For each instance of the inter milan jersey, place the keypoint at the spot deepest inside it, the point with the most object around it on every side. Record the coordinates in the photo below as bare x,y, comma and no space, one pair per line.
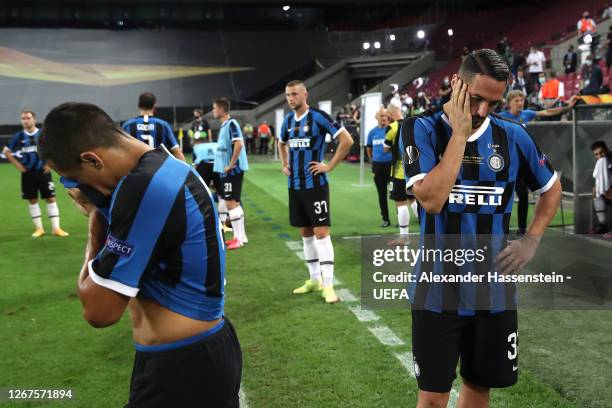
164,241
151,130
306,138
480,202
23,146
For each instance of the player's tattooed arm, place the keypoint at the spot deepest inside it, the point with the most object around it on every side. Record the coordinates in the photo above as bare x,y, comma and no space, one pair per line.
102,307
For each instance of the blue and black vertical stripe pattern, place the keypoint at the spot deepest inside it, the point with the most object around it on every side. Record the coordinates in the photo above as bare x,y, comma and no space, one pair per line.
151,130
164,240
24,148
306,140
480,202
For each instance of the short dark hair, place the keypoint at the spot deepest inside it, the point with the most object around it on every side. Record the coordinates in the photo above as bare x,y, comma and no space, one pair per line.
198,111
223,103
72,128
598,144
484,62
28,110
146,101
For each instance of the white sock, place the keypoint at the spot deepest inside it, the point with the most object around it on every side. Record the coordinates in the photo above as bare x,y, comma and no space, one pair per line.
35,214
235,216
403,219
325,250
311,258
243,237
222,209
415,208
53,214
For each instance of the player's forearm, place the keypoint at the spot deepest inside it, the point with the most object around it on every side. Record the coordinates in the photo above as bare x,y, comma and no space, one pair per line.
433,191
346,141
176,152
13,160
283,154
236,153
545,210
369,150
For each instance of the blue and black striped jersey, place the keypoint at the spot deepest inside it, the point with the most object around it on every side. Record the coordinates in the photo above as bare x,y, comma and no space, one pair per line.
480,202
151,130
306,138
164,241
24,146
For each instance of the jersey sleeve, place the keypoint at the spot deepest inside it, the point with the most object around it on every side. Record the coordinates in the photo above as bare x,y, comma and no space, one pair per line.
168,139
136,222
12,144
529,115
417,149
283,137
369,139
234,131
329,124
534,168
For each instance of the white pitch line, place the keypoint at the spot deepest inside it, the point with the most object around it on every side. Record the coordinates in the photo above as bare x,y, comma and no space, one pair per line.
337,281
364,315
299,254
406,360
345,295
386,336
242,398
295,245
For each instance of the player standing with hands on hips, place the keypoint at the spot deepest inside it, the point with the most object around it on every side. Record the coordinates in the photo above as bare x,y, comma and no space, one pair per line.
302,147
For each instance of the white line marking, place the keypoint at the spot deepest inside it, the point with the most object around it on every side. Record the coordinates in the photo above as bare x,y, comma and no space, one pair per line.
337,281
452,400
386,336
364,315
295,245
406,360
300,254
346,296
242,398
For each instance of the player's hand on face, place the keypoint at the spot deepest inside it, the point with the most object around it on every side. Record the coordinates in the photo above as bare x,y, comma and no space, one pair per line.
516,255
458,110
286,171
85,206
318,168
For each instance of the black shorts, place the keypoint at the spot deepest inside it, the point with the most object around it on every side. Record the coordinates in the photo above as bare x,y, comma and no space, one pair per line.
486,345
309,208
33,181
397,190
205,170
230,187
206,373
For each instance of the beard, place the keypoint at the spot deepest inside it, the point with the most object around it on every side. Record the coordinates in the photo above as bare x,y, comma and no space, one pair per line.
297,106
477,121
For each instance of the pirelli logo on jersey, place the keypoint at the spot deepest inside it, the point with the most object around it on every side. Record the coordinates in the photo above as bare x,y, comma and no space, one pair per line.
145,126
299,142
29,149
476,195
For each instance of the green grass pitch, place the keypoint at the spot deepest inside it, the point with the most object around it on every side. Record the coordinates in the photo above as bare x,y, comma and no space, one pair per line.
298,351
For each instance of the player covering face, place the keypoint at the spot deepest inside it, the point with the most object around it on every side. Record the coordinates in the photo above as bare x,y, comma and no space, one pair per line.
158,252
462,165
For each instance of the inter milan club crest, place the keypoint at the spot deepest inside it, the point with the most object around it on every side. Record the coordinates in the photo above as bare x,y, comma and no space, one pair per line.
496,162
306,128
